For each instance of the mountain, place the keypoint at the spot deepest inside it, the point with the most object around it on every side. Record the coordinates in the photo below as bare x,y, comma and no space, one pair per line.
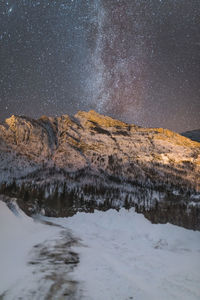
60,165
193,135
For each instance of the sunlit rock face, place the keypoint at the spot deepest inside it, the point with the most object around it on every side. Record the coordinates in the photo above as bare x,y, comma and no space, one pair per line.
97,158
90,139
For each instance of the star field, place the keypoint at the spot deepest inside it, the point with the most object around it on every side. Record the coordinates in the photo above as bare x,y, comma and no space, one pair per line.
138,61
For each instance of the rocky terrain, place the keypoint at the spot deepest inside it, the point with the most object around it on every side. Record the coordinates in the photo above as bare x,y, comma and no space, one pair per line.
60,165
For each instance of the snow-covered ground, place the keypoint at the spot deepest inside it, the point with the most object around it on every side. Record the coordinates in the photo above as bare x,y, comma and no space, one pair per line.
18,234
34,258
122,256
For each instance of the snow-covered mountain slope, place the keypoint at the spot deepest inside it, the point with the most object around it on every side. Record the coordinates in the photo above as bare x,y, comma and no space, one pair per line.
92,161
83,141
193,135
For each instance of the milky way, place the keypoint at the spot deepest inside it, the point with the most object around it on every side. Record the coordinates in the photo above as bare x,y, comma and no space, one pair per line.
138,61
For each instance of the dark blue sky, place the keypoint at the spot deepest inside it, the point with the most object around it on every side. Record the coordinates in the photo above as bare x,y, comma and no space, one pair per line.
138,61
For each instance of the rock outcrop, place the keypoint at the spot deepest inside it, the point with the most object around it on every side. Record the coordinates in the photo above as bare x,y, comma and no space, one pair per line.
88,161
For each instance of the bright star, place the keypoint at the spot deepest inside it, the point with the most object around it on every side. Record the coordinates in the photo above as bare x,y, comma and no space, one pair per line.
10,10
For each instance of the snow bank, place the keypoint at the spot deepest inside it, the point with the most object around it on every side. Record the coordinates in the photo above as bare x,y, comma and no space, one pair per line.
18,234
124,256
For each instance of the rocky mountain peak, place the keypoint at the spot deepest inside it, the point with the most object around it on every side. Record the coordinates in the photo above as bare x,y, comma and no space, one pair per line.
96,118
93,152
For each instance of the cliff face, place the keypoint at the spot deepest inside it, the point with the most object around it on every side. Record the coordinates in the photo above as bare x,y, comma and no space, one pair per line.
89,160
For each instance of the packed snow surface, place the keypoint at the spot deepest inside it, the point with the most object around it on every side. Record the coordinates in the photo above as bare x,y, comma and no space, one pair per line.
18,235
122,256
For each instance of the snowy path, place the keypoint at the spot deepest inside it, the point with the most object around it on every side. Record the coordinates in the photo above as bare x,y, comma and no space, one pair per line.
36,260
50,266
127,257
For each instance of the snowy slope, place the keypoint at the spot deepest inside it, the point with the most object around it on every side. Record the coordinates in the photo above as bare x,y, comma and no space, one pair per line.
18,234
124,256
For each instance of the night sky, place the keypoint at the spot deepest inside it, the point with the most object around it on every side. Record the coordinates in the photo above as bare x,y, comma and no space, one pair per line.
135,60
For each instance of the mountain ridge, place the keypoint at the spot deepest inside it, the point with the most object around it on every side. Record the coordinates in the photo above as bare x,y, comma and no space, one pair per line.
97,161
